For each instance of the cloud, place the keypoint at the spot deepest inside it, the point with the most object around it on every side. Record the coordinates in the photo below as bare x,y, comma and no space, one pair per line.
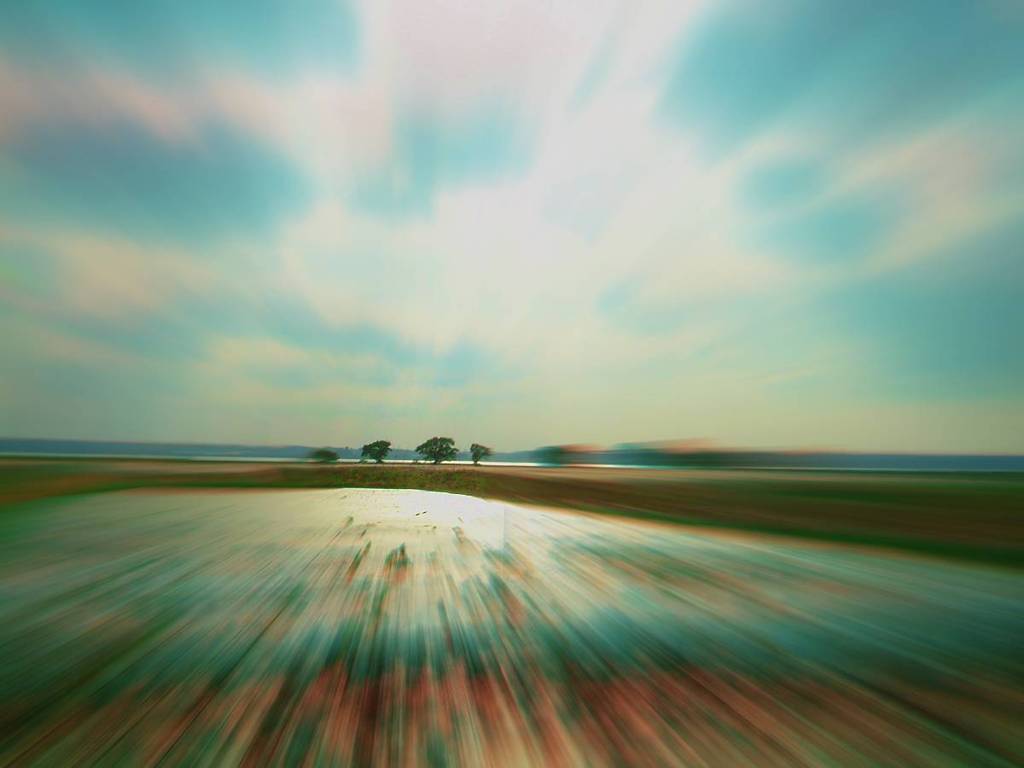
538,222
163,37
859,72
123,179
782,183
89,96
841,229
428,154
947,329
81,274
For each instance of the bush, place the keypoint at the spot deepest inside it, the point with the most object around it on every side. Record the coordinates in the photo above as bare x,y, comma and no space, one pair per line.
324,454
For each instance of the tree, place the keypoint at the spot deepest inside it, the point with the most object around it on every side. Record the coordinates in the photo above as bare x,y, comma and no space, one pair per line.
324,454
438,449
479,452
377,450
553,454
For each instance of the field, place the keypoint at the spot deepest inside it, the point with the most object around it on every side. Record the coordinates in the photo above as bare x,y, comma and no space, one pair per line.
953,515
183,614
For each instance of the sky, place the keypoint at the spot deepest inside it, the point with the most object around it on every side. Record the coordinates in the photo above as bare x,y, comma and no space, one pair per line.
770,223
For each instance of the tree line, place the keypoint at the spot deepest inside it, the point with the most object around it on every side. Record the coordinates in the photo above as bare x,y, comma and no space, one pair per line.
436,450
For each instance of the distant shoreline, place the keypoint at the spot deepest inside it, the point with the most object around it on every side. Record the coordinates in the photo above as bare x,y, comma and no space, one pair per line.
1008,463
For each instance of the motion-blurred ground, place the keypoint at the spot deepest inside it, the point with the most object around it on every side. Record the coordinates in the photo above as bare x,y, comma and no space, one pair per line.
956,514
336,626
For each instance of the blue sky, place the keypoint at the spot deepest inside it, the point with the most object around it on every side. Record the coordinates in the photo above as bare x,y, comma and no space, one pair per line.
784,223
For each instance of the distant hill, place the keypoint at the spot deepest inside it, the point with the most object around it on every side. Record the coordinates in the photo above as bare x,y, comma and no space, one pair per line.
702,454
162,450
662,454
29,446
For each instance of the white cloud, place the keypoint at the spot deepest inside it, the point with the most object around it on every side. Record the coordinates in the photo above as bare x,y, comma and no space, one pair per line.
111,276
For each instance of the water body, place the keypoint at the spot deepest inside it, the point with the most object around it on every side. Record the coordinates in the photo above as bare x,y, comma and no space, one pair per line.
381,627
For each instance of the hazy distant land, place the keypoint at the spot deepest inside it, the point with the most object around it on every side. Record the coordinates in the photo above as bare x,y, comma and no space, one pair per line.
628,454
